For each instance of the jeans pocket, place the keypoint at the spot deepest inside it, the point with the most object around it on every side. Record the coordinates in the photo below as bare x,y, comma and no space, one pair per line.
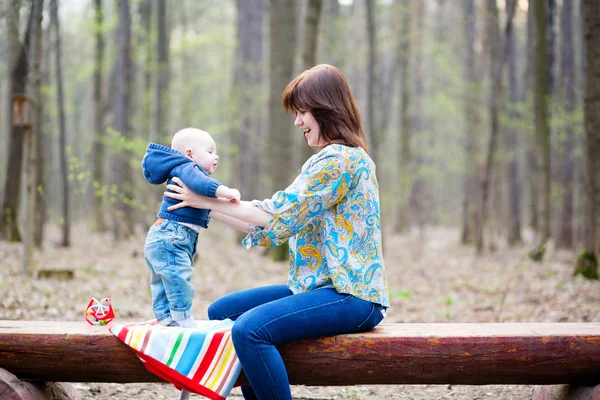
374,318
156,256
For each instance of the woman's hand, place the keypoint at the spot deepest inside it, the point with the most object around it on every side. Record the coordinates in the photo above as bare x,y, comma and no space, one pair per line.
187,197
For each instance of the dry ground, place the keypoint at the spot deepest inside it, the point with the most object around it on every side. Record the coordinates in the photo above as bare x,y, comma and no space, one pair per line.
431,277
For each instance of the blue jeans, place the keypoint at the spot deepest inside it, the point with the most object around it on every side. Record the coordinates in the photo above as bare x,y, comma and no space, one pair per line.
169,254
268,316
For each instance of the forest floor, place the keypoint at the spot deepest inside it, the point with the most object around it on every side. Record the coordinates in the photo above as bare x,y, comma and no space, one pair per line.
431,279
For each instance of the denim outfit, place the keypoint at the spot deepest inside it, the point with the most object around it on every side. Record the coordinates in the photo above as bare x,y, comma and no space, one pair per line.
169,253
170,244
337,282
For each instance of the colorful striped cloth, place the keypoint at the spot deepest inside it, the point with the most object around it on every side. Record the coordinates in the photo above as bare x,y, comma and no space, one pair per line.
200,360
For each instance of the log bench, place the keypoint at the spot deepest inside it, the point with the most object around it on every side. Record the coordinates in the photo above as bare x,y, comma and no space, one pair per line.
442,353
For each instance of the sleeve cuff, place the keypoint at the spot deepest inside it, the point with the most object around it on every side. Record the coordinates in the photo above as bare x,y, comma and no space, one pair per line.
212,189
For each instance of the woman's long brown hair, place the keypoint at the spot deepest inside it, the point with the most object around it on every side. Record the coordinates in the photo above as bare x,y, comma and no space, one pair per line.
324,92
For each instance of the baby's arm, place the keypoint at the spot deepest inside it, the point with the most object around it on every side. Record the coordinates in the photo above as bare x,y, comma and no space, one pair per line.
228,193
231,222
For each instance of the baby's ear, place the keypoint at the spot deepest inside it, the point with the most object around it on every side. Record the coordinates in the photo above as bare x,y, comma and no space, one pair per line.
188,153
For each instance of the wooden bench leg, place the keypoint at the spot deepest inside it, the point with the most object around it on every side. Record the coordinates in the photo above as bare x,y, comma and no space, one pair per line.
566,392
12,388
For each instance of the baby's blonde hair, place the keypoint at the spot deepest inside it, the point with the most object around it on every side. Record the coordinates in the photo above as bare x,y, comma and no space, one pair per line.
188,137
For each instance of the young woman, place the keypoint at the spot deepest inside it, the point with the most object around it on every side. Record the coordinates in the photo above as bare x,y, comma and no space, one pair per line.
330,215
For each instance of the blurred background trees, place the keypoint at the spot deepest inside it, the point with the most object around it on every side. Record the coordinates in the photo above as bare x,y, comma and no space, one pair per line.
480,114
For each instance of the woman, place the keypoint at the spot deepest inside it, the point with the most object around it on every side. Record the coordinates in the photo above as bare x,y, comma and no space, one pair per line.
330,215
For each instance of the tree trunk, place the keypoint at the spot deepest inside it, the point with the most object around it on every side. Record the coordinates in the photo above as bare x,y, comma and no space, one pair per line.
405,166
250,97
372,81
497,59
542,131
309,50
121,176
565,237
62,135
44,145
281,67
98,154
31,147
587,264
18,67
161,95
331,46
514,185
471,108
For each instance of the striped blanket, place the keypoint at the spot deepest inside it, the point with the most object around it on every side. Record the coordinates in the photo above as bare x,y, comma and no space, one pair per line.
200,360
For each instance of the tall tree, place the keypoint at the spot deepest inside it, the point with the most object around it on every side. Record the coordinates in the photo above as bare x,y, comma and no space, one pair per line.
161,95
18,68
372,80
542,130
498,49
121,175
403,10
587,263
31,146
469,201
44,145
282,19
514,185
567,68
62,134
98,153
309,47
250,100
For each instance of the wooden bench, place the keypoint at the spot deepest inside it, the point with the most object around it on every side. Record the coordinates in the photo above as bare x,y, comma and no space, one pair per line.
461,354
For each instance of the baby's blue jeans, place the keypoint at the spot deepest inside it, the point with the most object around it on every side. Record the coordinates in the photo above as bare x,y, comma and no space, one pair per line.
169,254
269,316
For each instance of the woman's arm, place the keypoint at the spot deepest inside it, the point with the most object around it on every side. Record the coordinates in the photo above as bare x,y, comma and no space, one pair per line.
230,221
244,210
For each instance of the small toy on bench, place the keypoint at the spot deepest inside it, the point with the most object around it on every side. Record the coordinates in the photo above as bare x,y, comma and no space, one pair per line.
99,312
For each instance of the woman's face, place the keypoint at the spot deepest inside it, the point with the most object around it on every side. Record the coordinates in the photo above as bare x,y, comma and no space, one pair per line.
310,128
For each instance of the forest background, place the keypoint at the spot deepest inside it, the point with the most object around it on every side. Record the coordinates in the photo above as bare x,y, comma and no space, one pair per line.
483,117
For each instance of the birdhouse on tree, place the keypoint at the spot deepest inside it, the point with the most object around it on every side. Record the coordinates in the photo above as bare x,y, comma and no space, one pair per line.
22,111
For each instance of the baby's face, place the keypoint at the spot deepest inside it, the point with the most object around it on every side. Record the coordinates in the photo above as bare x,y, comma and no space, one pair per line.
204,152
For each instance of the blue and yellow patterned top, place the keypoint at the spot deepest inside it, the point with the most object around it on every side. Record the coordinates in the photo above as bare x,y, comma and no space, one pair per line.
331,216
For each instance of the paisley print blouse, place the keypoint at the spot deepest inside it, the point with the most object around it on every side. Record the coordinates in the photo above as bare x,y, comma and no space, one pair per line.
331,216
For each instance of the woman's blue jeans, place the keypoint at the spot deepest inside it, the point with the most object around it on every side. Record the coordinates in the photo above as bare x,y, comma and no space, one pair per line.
269,316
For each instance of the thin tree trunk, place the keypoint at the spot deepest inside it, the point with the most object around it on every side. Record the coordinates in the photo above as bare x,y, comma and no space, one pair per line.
405,168
18,67
309,49
372,81
62,135
281,67
587,264
469,202
121,188
514,186
31,147
497,59
531,157
542,130
565,236
161,95
417,191
44,145
98,154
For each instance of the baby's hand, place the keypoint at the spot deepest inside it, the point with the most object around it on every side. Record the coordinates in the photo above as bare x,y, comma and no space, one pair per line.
233,195
228,193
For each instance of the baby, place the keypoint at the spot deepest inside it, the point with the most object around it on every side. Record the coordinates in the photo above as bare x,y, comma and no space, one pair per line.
171,242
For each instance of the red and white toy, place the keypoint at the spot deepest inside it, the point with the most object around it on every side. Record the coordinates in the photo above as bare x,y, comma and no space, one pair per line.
99,312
